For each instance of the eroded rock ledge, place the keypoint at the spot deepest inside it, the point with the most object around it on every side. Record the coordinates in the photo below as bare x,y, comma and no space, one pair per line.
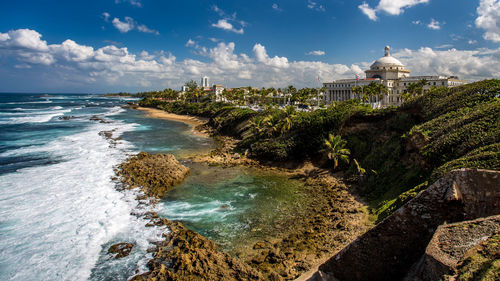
185,255
154,173
388,251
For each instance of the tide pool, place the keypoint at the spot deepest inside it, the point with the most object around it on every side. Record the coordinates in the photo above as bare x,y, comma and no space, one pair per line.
60,208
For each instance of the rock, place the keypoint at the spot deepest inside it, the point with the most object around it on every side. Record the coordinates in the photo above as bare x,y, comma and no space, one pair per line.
259,245
121,249
154,173
97,118
67,117
450,244
398,242
187,256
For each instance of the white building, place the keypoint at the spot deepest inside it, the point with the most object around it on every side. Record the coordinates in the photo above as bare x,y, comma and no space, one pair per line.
217,90
204,82
391,73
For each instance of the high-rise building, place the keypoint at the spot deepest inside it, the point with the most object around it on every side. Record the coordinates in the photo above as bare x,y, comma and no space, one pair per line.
204,82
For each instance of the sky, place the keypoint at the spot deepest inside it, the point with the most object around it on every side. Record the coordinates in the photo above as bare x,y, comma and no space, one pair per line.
98,46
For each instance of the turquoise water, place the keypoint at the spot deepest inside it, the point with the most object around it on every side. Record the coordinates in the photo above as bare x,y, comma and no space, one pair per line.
233,206
59,206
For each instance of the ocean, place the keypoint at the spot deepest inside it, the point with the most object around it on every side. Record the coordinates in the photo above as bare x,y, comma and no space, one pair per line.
61,207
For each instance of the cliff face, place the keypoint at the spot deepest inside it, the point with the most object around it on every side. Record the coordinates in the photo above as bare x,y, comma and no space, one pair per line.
398,242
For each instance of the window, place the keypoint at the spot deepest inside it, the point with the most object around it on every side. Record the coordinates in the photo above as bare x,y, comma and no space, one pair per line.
434,83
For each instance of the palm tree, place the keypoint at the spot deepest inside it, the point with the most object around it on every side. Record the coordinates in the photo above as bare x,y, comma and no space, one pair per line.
289,115
272,124
335,147
258,126
357,90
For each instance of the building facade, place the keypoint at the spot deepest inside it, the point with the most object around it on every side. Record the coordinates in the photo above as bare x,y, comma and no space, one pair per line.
204,82
391,73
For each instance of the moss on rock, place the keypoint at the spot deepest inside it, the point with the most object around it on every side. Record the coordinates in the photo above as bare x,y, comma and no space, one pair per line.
154,173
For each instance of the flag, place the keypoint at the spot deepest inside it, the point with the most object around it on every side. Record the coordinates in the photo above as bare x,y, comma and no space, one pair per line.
357,77
319,81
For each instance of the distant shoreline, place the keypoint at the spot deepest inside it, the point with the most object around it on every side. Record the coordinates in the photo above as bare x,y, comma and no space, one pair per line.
192,121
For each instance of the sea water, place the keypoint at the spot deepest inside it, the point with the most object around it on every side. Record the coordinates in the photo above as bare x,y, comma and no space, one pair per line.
60,209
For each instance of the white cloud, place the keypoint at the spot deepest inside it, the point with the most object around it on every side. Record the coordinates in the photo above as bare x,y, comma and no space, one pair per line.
224,24
68,64
444,46
391,7
106,16
369,12
276,7
145,29
262,57
129,24
416,22
315,6
470,65
489,19
124,26
472,42
434,24
190,43
228,22
23,39
316,53
137,3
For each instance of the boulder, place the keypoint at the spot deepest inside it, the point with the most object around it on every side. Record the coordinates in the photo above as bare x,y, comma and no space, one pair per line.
121,249
154,173
450,244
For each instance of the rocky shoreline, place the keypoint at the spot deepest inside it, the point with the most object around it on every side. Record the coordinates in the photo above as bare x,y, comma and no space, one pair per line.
298,245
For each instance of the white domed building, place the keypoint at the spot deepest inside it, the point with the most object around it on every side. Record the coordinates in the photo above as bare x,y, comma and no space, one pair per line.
389,72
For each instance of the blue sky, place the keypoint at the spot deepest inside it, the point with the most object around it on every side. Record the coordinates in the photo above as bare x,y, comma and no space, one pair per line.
137,45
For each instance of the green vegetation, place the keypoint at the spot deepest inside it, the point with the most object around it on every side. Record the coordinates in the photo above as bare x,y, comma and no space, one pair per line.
398,151
336,151
483,263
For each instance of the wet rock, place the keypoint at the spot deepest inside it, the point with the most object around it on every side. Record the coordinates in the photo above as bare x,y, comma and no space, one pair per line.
67,117
97,118
155,174
187,255
121,249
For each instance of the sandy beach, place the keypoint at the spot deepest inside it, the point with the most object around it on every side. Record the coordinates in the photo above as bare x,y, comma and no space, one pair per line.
190,120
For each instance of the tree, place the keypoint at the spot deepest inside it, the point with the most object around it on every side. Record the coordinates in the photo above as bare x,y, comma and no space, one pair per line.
191,85
357,90
288,116
272,124
258,126
335,147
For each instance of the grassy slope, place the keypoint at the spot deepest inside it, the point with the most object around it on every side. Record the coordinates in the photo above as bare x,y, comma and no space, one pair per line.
402,149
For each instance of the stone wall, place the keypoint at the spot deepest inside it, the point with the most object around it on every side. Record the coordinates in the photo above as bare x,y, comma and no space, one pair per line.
388,251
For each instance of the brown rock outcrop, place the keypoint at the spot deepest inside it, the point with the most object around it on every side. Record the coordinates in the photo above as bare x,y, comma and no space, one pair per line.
154,173
387,251
185,255
121,249
450,243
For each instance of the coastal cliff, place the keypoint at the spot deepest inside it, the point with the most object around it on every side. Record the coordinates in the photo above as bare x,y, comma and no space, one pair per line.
399,152
397,243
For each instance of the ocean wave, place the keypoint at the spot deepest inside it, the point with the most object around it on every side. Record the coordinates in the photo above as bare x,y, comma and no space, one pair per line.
36,117
59,219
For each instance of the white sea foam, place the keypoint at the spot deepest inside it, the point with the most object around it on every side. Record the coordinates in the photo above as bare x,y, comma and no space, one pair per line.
55,219
41,117
29,102
184,211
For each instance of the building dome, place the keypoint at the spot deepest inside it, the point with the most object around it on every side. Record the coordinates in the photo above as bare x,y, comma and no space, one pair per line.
386,60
